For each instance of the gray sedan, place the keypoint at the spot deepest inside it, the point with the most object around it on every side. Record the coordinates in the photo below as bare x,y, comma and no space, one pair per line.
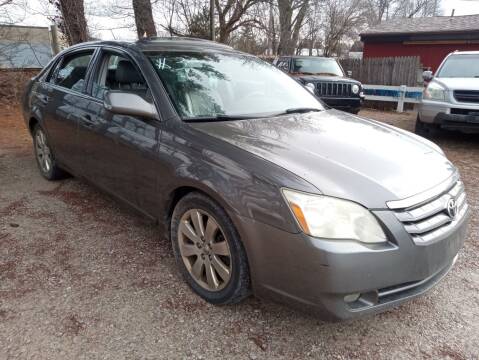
260,187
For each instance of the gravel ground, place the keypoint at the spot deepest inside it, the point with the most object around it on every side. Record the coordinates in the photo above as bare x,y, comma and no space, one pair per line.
81,277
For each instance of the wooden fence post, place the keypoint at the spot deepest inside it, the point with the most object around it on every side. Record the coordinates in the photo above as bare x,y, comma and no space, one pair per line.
402,95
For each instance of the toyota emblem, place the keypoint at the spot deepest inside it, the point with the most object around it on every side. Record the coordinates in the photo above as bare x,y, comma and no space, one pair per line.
452,208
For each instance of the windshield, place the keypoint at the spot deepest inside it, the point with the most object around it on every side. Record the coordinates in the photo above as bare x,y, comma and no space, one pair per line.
460,66
205,85
317,66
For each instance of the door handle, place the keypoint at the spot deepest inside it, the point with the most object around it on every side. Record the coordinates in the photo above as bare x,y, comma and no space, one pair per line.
87,120
44,99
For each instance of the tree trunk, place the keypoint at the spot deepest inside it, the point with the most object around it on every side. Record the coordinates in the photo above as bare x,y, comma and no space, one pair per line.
285,24
299,24
74,23
289,33
212,20
145,25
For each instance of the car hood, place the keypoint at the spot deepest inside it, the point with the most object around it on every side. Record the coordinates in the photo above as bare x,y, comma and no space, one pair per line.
459,83
340,154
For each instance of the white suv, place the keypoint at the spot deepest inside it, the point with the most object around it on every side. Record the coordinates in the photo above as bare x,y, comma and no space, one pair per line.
451,98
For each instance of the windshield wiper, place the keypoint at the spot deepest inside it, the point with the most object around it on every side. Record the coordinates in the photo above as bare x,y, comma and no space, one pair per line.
299,110
218,117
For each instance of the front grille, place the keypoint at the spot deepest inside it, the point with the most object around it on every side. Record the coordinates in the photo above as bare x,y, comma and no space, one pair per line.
333,89
429,220
467,96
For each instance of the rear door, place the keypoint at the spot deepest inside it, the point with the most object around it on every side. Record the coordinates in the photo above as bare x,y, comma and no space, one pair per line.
68,103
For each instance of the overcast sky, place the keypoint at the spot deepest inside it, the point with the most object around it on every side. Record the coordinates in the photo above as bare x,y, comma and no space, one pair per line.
107,28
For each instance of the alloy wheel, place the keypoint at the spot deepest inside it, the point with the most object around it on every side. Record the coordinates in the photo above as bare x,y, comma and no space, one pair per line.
44,155
204,250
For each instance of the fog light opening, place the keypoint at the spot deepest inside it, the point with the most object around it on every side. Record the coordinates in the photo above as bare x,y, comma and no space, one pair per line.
352,297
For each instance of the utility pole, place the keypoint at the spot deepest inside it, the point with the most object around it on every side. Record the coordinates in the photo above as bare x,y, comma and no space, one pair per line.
212,20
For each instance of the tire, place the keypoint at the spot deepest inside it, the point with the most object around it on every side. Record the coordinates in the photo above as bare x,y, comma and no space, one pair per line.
425,129
44,156
196,254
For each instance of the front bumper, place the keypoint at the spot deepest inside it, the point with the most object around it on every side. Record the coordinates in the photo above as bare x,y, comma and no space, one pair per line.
343,103
317,274
459,117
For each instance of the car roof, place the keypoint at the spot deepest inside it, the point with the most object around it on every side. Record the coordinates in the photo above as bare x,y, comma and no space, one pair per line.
164,43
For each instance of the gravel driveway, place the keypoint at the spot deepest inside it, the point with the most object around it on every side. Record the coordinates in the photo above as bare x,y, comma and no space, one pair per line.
81,277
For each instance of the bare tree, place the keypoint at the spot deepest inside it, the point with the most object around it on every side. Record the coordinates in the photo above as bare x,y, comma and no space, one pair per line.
145,25
192,17
186,18
378,10
342,18
417,8
232,14
247,40
292,14
72,21
311,33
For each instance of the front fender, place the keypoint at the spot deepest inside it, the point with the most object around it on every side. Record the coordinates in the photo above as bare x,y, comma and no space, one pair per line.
242,183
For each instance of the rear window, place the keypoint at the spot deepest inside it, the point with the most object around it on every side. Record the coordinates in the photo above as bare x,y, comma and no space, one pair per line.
72,71
460,66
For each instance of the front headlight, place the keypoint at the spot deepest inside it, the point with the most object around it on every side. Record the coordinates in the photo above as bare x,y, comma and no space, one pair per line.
310,86
331,218
355,88
435,91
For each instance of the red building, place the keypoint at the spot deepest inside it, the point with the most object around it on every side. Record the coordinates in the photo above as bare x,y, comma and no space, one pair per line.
430,38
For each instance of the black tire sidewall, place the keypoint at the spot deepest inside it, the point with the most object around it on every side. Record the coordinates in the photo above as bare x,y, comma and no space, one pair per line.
427,129
238,286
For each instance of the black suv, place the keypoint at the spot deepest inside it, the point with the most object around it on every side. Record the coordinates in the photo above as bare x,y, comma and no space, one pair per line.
326,78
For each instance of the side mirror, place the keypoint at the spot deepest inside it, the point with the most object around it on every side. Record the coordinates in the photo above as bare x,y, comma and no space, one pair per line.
350,73
310,87
427,76
125,103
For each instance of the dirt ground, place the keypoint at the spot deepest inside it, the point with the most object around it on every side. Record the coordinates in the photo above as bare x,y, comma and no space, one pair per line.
81,277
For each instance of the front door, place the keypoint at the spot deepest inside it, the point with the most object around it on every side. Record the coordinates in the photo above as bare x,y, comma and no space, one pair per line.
115,144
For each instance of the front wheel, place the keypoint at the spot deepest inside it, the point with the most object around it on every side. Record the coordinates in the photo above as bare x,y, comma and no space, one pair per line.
425,129
208,250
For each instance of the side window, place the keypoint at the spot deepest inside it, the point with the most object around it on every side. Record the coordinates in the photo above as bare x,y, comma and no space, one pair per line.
118,73
283,64
72,71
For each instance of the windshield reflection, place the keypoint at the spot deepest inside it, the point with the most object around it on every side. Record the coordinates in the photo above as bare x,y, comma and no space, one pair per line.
213,85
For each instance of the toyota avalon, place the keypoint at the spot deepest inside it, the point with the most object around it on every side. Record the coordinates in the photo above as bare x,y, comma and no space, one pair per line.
261,188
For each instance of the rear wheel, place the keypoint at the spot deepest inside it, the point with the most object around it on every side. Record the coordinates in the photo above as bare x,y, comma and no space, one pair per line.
208,250
44,156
